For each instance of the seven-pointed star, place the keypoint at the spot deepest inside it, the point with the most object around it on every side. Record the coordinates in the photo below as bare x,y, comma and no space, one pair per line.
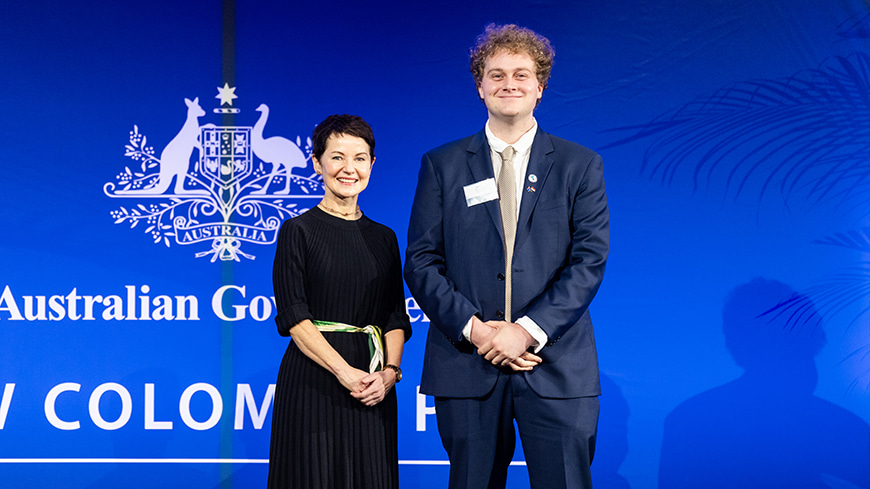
226,94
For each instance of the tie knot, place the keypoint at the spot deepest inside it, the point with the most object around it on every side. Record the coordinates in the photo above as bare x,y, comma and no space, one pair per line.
508,154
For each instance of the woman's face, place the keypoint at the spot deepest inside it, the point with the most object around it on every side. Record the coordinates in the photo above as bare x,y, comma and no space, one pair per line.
345,165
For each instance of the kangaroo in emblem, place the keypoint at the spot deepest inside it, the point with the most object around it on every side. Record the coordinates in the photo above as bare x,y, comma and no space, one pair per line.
175,158
280,152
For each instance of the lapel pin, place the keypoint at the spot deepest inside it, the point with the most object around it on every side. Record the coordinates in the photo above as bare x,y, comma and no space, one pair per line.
533,178
530,189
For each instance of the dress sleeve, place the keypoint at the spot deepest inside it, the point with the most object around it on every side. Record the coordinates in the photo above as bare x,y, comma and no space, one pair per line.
399,315
288,278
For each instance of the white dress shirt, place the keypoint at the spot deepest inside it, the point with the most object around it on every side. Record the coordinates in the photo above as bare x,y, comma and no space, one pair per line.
523,148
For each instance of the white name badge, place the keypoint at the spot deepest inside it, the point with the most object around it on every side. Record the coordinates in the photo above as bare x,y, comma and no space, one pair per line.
480,192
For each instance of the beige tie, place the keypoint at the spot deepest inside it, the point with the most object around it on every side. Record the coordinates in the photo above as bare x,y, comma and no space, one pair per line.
507,197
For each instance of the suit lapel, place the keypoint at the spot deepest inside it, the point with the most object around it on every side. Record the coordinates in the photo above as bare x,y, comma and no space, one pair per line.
540,162
480,166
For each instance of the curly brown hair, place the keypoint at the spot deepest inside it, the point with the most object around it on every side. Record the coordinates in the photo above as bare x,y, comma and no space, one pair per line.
515,40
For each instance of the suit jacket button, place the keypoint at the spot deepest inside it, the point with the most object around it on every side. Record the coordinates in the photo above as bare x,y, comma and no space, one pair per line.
499,314
500,276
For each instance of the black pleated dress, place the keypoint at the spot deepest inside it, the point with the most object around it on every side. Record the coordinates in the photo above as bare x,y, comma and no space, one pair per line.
331,269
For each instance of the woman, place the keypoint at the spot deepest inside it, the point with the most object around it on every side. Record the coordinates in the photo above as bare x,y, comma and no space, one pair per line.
337,279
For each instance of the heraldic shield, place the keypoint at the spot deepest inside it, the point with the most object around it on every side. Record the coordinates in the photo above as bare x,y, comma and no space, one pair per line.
226,154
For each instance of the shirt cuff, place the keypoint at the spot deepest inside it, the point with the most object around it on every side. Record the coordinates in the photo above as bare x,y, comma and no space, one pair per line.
466,331
538,334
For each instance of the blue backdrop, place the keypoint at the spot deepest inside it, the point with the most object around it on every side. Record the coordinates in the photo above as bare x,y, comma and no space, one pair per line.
137,346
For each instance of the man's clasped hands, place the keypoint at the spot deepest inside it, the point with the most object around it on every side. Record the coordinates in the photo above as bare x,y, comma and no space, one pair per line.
504,344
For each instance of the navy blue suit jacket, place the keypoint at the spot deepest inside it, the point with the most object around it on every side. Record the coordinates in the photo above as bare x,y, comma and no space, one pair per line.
455,261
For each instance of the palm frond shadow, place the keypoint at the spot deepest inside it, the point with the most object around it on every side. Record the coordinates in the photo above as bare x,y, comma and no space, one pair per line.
826,299
858,239
807,138
857,26
807,135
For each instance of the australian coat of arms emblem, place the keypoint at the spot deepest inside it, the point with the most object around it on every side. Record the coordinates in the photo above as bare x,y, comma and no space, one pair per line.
218,186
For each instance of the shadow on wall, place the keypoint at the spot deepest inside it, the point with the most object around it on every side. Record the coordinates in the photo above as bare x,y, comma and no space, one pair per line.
766,428
612,441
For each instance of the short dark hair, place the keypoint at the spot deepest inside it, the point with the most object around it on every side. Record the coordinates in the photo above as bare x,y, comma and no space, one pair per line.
337,124
515,40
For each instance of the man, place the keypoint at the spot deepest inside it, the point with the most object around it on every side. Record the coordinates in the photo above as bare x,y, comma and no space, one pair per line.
507,243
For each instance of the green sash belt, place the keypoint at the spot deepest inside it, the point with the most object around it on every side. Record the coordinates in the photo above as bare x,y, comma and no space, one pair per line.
376,342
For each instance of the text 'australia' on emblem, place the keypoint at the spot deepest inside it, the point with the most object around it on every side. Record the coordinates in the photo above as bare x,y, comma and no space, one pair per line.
238,189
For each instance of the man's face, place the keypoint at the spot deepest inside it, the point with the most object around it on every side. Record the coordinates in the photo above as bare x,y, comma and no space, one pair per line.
510,88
